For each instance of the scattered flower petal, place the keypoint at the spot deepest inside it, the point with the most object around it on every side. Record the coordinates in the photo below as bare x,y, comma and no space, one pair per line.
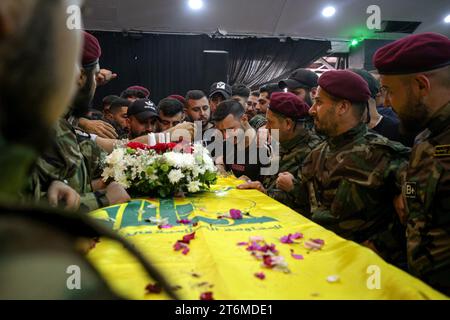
296,256
242,243
187,238
260,275
286,239
297,235
184,221
165,226
206,296
291,237
179,246
235,214
153,288
314,244
184,243
158,222
333,279
268,254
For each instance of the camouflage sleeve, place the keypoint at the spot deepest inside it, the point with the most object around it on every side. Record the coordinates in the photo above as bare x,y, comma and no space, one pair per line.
280,196
427,193
92,153
297,198
74,121
91,201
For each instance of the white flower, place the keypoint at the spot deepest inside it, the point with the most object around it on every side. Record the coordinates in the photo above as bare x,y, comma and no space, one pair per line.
115,157
175,176
194,186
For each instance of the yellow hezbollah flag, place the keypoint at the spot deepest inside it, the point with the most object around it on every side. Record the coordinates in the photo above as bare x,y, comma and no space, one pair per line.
217,259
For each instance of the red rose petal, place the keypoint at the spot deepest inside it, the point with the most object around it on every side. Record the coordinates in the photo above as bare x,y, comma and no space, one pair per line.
260,275
206,296
153,288
187,238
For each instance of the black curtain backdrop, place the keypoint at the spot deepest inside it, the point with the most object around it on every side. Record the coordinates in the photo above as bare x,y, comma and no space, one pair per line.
173,64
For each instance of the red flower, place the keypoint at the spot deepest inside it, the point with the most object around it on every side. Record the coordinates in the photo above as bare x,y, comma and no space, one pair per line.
206,296
153,288
163,147
138,145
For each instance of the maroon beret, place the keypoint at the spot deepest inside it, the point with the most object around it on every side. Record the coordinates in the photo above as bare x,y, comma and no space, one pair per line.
412,54
91,50
288,105
346,85
140,88
179,98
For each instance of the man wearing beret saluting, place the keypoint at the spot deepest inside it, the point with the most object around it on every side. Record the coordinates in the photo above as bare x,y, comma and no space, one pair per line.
415,72
347,183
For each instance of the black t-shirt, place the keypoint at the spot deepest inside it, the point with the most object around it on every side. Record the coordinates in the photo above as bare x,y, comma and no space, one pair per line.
249,163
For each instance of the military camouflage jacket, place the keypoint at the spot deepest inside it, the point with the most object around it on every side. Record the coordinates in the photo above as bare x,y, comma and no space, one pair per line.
72,158
291,156
347,185
426,191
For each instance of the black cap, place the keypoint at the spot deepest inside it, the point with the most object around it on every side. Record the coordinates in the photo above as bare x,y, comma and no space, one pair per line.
222,88
374,85
300,78
142,109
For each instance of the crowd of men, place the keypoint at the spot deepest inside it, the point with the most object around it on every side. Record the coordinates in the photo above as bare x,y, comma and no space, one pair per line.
364,154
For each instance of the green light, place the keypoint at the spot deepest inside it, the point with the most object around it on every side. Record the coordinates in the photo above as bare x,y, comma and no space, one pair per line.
354,42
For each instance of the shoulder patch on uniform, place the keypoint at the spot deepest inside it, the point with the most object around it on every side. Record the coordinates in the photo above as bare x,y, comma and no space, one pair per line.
442,151
410,190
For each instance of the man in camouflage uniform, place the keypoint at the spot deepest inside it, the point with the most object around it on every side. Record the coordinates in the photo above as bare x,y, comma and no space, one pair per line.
38,245
73,157
286,114
415,71
348,182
